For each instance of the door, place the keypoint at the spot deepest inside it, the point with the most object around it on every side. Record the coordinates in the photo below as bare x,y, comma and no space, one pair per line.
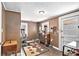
70,30
25,27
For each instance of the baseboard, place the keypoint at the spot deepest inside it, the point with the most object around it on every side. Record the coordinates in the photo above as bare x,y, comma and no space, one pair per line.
56,48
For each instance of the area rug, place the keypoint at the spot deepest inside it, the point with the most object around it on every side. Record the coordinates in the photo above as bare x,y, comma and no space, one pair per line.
35,49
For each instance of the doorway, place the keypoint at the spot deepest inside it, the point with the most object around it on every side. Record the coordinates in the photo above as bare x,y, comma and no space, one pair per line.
70,30
70,27
24,33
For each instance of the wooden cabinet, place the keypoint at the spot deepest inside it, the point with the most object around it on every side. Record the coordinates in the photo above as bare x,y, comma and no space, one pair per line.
45,39
42,39
9,47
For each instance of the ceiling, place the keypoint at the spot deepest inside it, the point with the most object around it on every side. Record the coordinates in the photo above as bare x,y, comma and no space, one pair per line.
30,10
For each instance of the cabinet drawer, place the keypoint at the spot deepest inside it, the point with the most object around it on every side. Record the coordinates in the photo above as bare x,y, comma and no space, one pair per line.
6,48
14,47
9,48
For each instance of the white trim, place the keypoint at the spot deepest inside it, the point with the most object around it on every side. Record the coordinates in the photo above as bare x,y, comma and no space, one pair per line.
70,15
61,19
56,48
4,5
0,25
0,21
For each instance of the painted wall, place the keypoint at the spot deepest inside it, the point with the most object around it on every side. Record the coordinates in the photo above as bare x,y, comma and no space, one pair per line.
0,20
3,24
32,30
54,36
0,25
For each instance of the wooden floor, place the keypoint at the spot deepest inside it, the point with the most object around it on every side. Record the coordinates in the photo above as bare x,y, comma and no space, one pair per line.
52,52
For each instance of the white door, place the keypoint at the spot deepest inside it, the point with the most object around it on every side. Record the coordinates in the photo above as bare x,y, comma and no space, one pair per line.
71,30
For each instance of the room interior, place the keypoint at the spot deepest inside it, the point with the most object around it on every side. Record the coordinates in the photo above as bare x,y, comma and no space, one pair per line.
39,29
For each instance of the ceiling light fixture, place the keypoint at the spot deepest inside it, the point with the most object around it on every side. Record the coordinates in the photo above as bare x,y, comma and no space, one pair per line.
41,12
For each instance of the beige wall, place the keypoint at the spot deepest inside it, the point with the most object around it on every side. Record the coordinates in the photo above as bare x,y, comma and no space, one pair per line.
3,24
54,37
32,30
13,21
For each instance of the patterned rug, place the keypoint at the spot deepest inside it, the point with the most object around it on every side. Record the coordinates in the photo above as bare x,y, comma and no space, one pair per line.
35,49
